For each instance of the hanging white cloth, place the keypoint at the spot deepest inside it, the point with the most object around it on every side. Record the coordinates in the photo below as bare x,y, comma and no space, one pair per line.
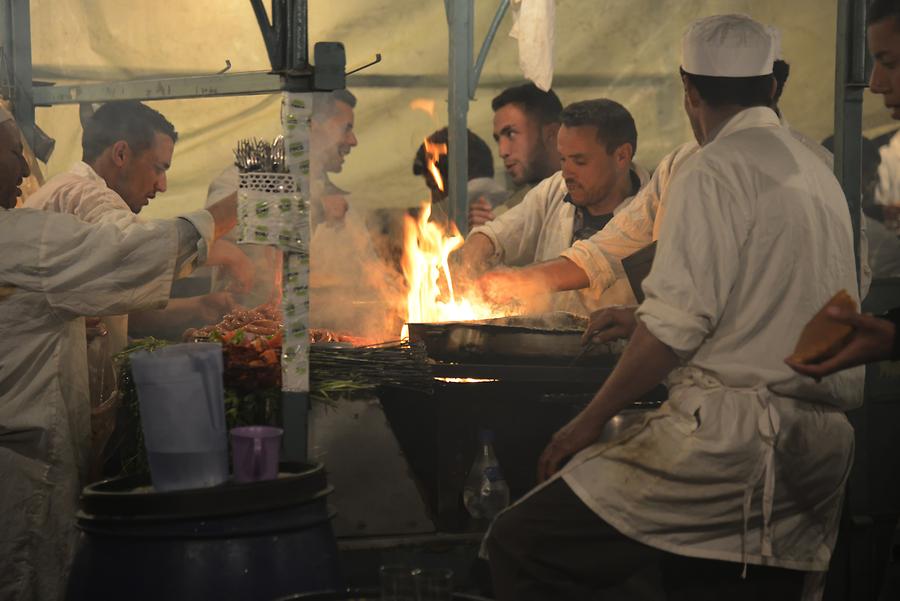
534,27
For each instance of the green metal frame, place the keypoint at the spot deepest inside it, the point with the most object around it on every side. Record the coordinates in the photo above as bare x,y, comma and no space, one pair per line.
850,80
463,80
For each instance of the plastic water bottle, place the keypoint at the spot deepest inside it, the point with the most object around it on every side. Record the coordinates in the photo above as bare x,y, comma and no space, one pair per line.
485,493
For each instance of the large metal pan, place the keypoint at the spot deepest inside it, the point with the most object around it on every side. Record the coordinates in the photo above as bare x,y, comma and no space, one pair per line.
545,339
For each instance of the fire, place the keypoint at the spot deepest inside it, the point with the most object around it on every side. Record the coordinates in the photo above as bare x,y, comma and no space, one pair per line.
431,296
426,105
433,154
426,251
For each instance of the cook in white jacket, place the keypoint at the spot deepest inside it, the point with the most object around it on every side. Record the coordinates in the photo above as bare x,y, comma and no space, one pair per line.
127,150
54,269
596,141
746,462
598,260
638,225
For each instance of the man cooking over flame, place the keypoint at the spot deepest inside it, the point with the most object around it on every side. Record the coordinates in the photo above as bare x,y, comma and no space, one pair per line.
594,265
127,151
596,142
746,462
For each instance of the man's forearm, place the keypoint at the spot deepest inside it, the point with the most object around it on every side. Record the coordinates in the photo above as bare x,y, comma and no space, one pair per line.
557,274
644,364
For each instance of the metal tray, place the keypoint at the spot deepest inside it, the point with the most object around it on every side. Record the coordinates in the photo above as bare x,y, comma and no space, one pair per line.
545,339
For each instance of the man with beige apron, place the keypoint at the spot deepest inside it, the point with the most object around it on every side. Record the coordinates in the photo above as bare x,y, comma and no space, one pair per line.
742,470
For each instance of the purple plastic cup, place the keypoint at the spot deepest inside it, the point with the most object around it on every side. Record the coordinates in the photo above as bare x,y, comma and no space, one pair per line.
255,451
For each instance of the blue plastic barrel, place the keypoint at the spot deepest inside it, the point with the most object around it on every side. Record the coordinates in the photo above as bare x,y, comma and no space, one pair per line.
259,540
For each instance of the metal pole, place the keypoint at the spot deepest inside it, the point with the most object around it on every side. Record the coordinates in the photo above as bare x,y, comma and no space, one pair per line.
485,46
849,82
298,45
459,18
270,32
295,403
16,44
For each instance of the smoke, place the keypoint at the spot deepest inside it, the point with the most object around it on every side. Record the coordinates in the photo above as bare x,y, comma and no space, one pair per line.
354,289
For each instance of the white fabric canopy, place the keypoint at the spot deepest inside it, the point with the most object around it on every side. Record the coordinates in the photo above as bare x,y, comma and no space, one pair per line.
595,45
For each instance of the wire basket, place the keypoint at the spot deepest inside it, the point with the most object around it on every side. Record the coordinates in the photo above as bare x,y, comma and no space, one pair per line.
271,211
271,183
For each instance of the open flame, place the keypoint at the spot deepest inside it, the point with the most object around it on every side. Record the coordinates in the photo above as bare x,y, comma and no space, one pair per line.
426,251
426,105
431,296
433,154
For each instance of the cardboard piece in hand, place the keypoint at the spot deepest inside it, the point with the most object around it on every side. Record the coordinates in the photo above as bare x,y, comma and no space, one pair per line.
824,334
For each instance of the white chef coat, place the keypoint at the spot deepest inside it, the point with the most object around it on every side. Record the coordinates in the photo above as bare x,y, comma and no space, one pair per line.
637,225
747,460
887,193
540,228
54,269
630,230
83,193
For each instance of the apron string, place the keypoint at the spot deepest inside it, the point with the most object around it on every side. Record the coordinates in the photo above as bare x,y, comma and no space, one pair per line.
768,426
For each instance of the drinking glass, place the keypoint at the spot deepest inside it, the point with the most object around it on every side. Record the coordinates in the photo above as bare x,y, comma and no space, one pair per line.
433,584
397,583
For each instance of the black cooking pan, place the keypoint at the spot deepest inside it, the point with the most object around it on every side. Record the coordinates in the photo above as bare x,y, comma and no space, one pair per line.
546,339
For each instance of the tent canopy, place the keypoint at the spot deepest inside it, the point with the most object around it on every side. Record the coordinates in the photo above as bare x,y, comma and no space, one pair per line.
627,51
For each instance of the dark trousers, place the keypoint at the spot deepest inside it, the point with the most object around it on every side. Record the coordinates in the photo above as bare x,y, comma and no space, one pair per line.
553,547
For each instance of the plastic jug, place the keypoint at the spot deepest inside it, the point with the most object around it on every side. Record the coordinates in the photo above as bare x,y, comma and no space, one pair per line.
182,404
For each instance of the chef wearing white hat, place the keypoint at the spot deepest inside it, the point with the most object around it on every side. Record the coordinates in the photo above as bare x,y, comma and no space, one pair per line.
744,466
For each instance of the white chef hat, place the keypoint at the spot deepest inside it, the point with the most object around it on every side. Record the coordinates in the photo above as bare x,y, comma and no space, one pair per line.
775,34
727,46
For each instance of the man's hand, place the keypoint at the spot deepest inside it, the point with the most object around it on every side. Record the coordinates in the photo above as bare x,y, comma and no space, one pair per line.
578,434
643,365
872,340
480,212
473,258
236,263
610,323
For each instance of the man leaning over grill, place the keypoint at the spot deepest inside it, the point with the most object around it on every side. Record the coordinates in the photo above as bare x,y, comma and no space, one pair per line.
597,142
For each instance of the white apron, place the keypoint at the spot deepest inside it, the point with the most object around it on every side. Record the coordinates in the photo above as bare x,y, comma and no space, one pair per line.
53,269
